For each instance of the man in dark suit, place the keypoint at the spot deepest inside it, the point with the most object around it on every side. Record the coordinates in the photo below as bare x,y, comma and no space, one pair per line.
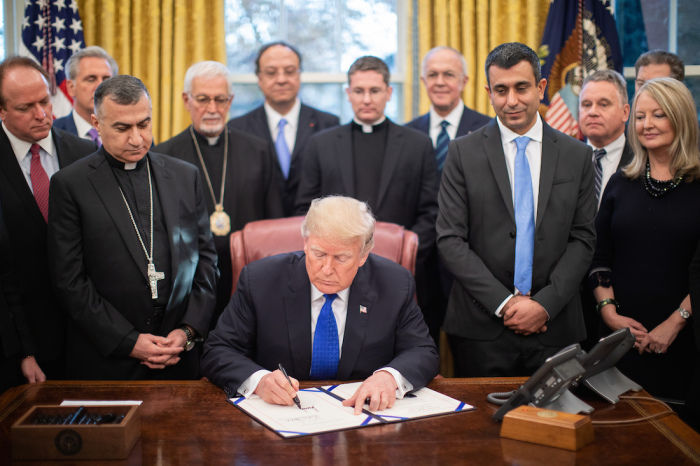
249,189
444,75
331,312
86,70
516,228
390,167
130,249
278,66
26,113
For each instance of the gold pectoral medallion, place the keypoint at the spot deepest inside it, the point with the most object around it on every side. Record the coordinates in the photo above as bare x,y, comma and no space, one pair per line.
220,222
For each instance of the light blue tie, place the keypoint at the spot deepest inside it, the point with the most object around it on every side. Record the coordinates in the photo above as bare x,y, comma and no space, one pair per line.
326,352
524,219
443,140
282,149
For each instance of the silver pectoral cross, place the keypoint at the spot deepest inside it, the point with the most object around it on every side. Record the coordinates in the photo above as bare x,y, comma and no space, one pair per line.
153,278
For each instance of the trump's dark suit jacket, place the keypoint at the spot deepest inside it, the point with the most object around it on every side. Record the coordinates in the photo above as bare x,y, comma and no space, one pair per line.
407,192
66,123
27,232
470,121
268,322
311,121
476,234
99,267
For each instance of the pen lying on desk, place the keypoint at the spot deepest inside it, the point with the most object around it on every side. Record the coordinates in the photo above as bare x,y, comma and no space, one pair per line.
296,398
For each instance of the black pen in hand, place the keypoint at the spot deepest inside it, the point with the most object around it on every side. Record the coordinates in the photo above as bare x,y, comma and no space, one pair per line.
296,398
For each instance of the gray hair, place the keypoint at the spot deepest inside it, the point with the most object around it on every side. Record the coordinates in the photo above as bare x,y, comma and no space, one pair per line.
208,69
94,51
341,218
612,77
123,90
438,49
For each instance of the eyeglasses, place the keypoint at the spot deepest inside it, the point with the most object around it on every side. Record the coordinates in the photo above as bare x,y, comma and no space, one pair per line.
219,100
286,72
373,92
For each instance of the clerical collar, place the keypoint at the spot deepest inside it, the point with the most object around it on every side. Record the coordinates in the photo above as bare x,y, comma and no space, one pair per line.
114,163
211,141
379,124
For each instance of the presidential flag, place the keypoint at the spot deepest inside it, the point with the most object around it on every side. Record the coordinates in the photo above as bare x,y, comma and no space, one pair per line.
579,38
51,33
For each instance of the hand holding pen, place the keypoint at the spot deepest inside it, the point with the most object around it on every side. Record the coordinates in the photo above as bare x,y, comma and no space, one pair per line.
276,388
296,398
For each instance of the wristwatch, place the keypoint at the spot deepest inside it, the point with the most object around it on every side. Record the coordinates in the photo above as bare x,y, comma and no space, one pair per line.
190,338
684,313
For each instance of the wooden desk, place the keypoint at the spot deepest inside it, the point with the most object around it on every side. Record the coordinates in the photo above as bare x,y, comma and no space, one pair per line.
191,423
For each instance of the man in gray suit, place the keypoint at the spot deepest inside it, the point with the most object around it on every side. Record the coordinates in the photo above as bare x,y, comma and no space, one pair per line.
515,228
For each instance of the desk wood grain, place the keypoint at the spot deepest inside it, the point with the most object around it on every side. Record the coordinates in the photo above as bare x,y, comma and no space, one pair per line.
191,423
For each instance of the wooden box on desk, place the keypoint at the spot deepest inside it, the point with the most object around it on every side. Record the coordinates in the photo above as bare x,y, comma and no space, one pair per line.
546,427
75,441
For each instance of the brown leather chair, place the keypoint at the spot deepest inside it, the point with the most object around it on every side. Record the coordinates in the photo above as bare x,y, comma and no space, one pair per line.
266,238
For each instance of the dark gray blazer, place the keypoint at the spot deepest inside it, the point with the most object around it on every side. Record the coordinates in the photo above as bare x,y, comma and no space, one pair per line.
469,122
476,233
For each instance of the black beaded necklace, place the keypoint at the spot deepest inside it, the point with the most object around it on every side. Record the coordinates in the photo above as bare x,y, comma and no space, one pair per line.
658,188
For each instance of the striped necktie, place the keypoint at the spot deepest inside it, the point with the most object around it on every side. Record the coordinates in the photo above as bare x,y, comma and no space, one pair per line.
598,154
443,140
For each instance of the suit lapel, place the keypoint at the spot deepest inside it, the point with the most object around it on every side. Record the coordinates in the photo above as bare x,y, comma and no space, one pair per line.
166,182
497,159
305,129
463,128
392,155
105,185
297,308
17,181
356,323
424,124
260,121
343,153
550,155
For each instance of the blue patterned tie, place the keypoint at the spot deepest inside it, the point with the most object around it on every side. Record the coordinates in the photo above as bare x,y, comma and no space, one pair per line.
326,352
282,149
524,219
443,140
598,154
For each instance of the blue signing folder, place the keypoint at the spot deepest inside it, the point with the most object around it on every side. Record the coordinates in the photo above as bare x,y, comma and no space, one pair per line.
322,410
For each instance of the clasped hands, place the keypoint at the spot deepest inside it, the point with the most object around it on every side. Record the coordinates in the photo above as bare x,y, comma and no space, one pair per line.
379,389
524,316
159,352
655,341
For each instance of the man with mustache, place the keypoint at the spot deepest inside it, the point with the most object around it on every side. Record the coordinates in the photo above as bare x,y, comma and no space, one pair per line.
238,170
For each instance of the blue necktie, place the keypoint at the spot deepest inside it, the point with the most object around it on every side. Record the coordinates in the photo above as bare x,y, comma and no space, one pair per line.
443,140
282,149
326,352
524,219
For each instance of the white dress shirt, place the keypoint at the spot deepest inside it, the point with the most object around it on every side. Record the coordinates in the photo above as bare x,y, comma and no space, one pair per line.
340,311
290,130
453,118
47,154
610,161
82,125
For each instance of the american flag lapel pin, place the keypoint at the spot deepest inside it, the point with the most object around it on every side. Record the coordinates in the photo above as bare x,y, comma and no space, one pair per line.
363,310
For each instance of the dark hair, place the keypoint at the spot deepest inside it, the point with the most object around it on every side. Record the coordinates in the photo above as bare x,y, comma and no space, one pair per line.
264,48
370,63
122,89
18,62
661,57
508,55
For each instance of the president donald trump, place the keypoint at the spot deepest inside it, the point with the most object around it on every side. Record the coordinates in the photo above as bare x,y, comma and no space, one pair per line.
330,312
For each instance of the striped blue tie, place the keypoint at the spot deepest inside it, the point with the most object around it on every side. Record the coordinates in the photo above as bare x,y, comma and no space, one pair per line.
326,351
443,140
524,219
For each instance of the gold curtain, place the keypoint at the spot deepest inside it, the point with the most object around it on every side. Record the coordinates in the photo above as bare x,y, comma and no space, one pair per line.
156,41
474,27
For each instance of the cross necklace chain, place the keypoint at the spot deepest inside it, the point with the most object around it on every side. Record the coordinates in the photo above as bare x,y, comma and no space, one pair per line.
153,276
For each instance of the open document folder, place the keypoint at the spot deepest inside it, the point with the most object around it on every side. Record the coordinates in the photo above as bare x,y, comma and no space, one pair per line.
322,411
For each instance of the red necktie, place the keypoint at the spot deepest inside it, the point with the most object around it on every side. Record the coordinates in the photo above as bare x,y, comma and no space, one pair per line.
40,182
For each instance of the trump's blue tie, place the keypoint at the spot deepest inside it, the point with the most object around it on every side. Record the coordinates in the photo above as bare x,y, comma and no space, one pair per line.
326,351
524,219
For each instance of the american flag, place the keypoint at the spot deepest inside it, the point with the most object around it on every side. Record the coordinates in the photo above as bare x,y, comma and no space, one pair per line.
51,33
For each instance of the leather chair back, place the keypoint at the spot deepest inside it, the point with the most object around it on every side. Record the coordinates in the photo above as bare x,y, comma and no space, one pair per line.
265,238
